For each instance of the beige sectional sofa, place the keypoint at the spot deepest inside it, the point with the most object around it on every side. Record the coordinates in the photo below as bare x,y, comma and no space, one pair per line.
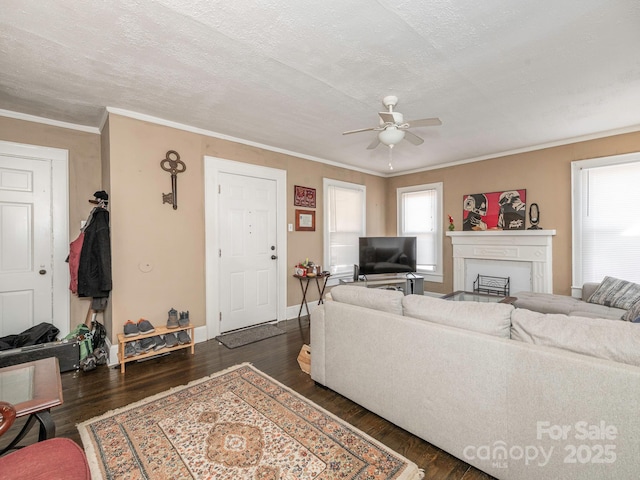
515,393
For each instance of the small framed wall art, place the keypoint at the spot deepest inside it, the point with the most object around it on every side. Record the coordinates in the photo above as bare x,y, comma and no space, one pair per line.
304,197
305,220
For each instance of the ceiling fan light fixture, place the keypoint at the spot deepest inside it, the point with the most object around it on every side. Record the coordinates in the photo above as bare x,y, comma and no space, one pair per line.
391,136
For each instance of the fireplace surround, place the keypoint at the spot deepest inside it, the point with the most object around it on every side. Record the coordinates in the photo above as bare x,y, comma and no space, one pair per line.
531,250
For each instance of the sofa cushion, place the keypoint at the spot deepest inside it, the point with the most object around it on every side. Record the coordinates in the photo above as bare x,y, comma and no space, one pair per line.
376,298
490,318
614,292
596,337
545,302
550,303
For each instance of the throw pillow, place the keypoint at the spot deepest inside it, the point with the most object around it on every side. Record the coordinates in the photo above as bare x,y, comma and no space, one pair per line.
633,314
614,292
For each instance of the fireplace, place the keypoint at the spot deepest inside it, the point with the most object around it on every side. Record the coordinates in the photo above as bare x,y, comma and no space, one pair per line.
525,256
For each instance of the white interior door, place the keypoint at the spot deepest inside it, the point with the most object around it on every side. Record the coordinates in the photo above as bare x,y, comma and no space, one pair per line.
25,240
34,239
248,251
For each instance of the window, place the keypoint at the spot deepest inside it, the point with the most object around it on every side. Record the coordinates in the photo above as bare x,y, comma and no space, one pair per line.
420,216
344,224
606,226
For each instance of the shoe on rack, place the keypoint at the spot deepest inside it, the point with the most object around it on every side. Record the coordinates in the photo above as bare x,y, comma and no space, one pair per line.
147,344
131,329
159,341
183,321
130,350
171,340
172,321
144,326
137,347
183,337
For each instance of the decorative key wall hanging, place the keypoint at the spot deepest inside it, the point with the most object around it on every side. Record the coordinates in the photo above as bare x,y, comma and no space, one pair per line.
174,166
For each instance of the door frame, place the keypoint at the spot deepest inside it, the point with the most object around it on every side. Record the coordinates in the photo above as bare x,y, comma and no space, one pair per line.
213,167
59,161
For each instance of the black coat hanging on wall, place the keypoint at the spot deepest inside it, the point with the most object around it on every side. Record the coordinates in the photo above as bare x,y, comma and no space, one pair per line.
94,268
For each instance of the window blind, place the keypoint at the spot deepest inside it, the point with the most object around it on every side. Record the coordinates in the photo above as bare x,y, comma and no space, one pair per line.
419,219
610,225
345,225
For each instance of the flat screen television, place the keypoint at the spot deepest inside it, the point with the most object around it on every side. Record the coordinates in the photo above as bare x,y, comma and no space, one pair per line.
387,255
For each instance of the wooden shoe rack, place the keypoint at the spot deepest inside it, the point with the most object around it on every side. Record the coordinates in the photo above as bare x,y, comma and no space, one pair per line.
122,341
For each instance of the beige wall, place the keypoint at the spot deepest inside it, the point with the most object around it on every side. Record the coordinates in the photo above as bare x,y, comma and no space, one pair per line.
545,174
84,175
144,231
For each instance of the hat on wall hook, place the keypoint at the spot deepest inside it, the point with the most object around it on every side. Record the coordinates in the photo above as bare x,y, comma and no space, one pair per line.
174,166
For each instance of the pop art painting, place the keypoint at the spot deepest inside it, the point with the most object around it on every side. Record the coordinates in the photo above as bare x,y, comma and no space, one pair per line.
494,211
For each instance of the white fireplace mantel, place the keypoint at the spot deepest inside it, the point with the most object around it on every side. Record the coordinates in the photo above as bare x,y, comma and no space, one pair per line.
532,246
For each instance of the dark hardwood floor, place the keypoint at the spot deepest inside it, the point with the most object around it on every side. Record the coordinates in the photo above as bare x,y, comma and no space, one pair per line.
93,393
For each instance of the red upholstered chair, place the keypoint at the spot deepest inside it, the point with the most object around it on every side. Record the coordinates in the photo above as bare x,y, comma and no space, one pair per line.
53,459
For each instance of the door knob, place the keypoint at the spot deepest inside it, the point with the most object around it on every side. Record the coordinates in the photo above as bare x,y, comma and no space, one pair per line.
42,272
273,257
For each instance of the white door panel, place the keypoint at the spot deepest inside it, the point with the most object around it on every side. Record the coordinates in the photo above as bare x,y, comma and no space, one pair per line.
247,233
26,281
17,307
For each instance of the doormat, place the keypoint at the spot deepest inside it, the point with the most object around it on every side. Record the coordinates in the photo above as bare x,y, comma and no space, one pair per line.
235,424
249,335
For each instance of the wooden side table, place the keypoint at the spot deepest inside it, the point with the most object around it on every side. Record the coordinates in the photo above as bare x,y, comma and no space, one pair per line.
33,388
321,283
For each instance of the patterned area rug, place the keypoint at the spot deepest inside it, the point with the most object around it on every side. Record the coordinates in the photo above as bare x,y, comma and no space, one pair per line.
235,424
249,335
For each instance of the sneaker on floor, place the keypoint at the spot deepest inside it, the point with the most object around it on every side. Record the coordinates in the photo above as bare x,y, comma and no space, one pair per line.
171,340
183,321
130,349
102,357
144,326
147,344
88,363
159,341
172,321
183,337
131,329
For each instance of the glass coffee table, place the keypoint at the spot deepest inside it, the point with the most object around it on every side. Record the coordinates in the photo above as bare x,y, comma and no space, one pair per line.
462,296
33,388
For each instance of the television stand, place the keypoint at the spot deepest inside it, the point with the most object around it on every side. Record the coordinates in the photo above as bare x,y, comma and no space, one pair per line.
408,284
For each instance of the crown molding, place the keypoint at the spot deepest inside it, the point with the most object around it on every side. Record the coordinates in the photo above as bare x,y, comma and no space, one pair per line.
533,148
48,121
209,133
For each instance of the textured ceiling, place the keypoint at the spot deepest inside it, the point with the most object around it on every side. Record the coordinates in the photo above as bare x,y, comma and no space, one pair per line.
502,75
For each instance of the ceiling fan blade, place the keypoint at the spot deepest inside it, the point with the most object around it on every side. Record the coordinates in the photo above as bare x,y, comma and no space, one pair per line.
425,122
413,138
390,117
359,130
374,143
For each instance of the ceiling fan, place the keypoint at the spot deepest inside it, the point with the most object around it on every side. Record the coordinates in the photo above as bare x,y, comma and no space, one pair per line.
393,129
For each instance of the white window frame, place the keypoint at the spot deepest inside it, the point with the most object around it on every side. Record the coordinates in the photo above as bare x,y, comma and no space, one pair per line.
577,169
326,183
430,276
